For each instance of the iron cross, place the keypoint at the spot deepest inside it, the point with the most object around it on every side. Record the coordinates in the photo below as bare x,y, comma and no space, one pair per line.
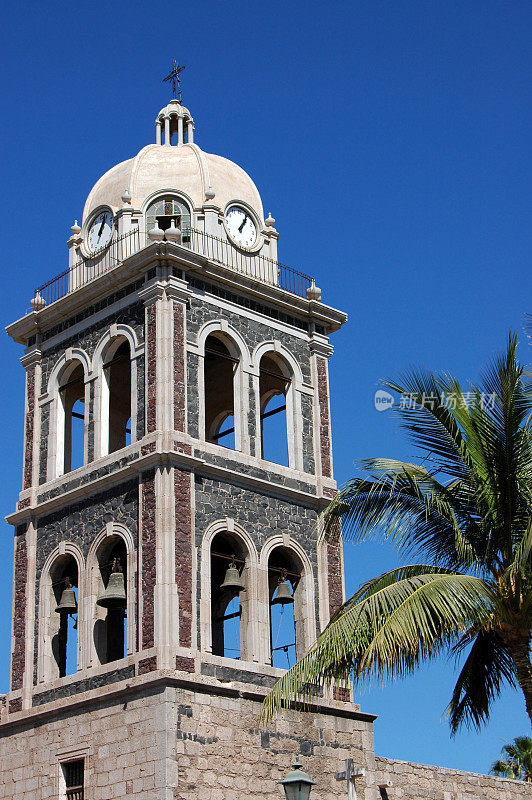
175,76
349,775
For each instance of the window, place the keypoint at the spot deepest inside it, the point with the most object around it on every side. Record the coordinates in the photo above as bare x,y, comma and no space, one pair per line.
63,616
162,212
74,776
229,600
110,629
286,612
220,370
117,387
72,412
274,384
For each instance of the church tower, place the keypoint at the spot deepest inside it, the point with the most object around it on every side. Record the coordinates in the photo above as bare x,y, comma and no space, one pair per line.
177,455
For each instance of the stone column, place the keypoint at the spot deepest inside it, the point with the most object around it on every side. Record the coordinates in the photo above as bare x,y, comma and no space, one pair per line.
158,132
180,137
167,130
190,130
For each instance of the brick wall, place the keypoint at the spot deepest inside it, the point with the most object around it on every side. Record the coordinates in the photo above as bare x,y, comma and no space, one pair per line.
151,369
334,567
183,554
148,576
179,367
20,577
29,428
325,424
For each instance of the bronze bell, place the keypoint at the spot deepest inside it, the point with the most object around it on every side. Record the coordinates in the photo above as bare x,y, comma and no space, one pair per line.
233,579
284,594
114,594
67,604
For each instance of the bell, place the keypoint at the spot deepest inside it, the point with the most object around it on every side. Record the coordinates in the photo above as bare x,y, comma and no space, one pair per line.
67,604
114,595
284,594
233,579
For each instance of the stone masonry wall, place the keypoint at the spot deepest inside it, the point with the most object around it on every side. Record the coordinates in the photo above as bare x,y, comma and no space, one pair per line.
254,333
158,742
80,522
261,515
87,340
420,782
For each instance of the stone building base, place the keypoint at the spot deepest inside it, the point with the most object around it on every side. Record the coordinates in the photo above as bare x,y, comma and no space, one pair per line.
168,737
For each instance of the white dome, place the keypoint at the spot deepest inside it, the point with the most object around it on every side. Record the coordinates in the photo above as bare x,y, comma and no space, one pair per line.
174,107
202,177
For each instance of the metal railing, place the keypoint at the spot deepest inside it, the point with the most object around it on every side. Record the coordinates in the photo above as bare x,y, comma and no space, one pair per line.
219,251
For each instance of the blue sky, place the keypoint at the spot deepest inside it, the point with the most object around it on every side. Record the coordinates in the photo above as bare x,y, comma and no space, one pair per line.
391,142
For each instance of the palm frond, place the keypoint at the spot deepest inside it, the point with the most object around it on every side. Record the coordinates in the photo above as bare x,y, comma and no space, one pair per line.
385,630
488,665
406,504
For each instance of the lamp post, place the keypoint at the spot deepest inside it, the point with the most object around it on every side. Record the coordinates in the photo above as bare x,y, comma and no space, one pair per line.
297,784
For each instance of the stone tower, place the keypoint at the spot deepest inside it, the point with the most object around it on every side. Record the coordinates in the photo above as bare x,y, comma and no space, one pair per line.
177,453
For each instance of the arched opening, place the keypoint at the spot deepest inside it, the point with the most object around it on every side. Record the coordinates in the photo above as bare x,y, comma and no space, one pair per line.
287,633
220,371
274,383
110,633
229,597
63,627
71,418
116,391
170,212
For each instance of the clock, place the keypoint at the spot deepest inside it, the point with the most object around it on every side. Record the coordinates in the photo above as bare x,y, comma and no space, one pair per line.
241,227
100,230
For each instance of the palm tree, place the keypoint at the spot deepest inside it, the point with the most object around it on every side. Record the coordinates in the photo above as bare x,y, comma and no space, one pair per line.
517,763
466,510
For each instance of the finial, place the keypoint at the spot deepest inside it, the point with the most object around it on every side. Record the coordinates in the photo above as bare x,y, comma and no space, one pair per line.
269,221
314,292
210,193
75,228
38,301
175,76
126,197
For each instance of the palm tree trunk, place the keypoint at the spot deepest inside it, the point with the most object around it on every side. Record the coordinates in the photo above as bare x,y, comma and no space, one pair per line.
518,643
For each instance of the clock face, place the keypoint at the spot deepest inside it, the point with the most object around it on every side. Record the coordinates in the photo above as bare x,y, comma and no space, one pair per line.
100,230
241,226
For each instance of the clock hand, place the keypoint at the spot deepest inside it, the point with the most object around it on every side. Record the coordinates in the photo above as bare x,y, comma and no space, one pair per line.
101,228
242,223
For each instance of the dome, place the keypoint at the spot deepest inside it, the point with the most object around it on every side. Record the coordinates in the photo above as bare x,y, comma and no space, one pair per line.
202,177
174,107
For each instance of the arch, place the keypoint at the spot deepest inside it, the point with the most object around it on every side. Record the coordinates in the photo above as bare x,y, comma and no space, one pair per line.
52,627
71,354
248,628
304,619
290,383
62,398
165,207
95,632
214,408
106,400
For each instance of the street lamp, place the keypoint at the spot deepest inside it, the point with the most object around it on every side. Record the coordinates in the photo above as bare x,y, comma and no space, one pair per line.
297,784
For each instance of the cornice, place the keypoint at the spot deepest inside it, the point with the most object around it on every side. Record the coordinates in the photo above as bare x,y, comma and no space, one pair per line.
165,254
157,450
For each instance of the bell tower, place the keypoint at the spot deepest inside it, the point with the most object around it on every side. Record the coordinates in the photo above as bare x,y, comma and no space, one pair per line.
177,455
